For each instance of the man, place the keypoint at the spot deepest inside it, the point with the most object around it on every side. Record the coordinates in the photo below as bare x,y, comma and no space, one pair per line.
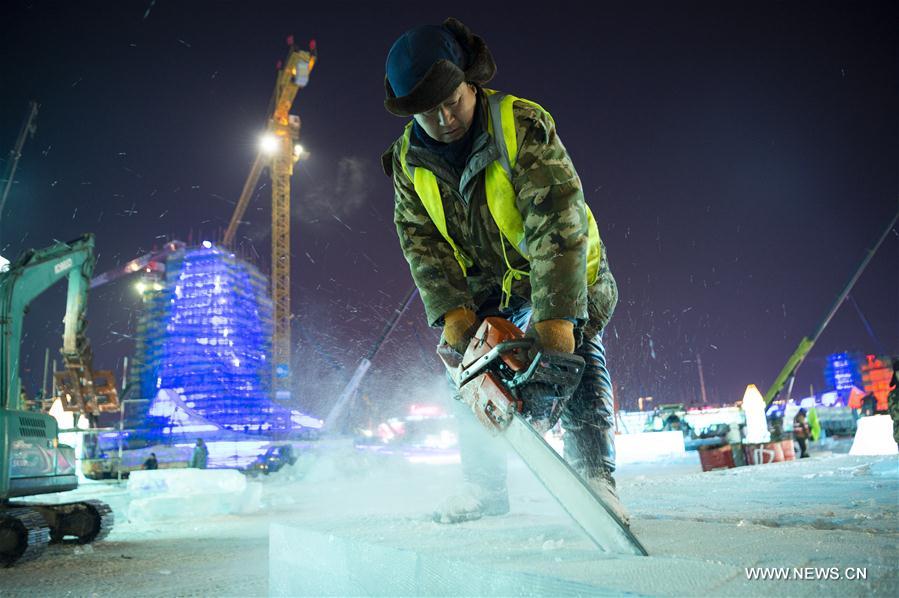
801,432
869,404
151,462
491,217
200,457
893,400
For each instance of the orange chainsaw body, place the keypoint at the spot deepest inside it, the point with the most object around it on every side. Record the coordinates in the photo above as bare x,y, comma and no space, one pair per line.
492,402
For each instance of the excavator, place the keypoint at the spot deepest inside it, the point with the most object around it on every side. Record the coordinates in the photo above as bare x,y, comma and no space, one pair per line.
32,461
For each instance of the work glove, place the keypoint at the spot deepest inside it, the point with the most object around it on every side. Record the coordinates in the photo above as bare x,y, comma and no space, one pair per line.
459,325
555,335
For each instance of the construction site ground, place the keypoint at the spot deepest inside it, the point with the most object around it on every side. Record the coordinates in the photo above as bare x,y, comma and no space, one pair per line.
702,529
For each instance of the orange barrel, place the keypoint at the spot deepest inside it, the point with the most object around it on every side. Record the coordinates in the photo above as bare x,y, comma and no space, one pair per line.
719,457
760,454
788,449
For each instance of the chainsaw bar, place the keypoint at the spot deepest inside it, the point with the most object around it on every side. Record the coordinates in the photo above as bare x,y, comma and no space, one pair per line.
498,374
584,506
501,416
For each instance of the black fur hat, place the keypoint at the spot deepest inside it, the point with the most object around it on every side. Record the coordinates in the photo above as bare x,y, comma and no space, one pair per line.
444,76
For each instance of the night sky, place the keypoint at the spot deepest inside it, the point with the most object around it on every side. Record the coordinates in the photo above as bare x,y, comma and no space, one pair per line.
740,159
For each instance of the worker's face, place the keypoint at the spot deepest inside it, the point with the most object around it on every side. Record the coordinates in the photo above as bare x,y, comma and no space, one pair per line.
451,119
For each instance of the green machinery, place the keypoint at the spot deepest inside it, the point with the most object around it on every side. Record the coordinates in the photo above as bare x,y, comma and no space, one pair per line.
787,375
32,461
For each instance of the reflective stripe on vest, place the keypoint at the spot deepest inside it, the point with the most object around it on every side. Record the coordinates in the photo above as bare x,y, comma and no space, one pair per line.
428,191
501,198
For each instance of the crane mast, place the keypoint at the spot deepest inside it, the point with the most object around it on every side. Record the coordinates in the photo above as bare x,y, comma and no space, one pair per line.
28,129
279,152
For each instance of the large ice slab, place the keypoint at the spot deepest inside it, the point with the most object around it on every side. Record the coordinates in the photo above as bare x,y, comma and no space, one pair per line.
874,436
372,534
649,446
307,563
184,493
505,557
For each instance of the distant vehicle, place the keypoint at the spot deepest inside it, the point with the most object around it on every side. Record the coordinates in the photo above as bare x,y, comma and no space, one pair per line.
106,466
670,418
673,418
719,430
275,458
711,436
665,418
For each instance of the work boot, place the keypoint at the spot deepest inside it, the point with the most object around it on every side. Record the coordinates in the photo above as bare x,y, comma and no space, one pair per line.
483,492
472,502
589,427
603,485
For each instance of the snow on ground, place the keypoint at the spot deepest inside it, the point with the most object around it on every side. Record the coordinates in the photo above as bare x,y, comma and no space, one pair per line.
701,529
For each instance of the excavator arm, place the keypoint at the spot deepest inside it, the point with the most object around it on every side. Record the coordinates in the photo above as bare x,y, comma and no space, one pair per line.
32,274
787,374
788,371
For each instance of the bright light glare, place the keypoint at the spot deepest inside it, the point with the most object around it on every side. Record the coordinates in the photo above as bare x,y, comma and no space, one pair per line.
298,150
268,143
141,287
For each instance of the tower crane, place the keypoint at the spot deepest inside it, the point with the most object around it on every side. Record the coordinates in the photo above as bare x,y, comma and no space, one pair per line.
151,262
279,151
28,129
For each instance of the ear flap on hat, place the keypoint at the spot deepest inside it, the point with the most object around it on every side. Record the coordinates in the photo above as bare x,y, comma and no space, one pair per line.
481,67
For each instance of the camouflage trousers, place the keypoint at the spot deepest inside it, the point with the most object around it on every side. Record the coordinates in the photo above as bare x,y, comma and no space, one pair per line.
588,420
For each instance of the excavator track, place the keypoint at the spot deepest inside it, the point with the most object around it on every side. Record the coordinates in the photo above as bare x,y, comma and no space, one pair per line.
88,521
24,535
104,513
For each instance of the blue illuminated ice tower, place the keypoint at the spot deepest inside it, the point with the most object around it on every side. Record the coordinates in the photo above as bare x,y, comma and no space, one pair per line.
207,347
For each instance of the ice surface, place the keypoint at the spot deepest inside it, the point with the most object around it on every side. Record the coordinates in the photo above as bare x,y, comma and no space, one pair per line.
371,534
702,530
305,563
187,493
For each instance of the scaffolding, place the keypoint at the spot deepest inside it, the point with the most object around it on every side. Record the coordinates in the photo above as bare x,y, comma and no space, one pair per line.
205,336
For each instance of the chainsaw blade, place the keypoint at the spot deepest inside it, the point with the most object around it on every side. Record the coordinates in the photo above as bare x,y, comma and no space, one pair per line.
496,376
584,506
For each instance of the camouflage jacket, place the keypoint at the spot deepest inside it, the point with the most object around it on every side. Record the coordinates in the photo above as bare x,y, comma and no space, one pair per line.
893,407
551,202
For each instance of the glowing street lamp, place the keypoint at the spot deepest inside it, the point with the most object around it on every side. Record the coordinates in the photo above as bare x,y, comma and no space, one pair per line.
269,144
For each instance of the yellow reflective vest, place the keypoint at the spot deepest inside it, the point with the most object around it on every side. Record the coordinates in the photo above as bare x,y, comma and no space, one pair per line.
501,194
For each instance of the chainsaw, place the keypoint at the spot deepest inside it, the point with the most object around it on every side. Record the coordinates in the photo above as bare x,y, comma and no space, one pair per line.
504,372
518,390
